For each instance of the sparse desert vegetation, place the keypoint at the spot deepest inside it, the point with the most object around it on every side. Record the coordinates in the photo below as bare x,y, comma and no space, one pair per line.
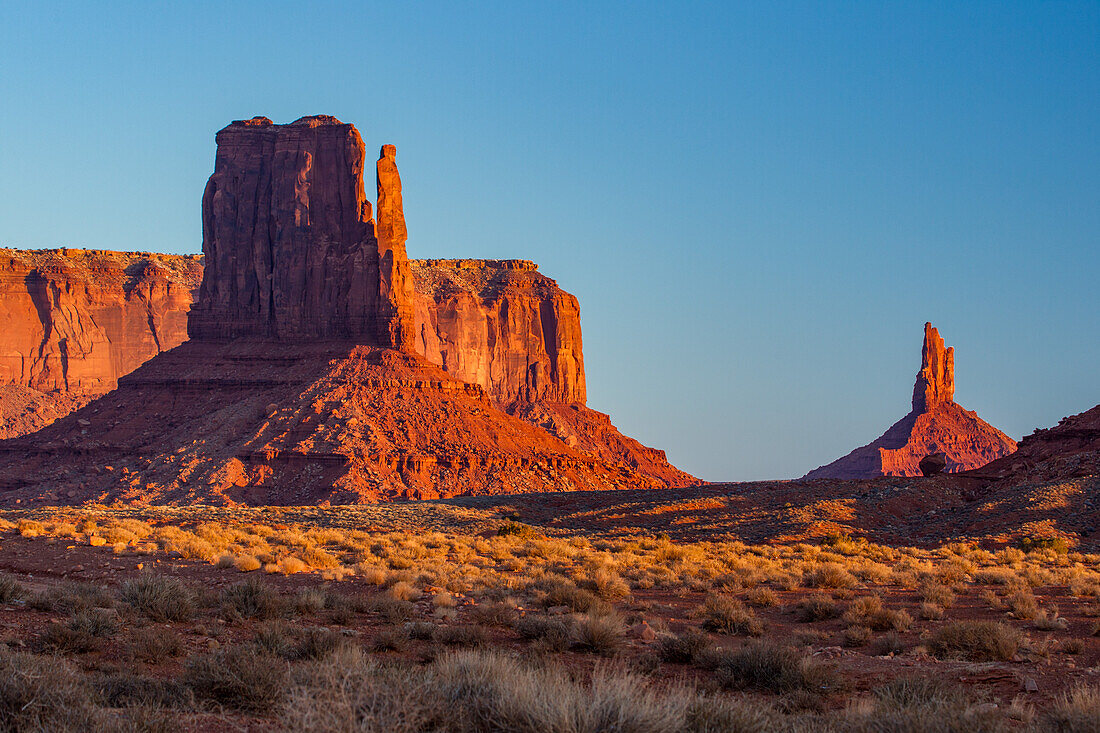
529,626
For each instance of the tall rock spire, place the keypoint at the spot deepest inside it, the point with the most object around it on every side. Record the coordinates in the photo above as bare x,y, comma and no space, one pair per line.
936,378
396,286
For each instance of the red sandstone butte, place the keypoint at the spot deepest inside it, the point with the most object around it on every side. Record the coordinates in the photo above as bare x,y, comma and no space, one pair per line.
936,424
74,321
301,382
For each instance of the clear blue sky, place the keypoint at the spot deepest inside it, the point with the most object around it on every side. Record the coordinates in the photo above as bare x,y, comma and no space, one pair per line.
758,204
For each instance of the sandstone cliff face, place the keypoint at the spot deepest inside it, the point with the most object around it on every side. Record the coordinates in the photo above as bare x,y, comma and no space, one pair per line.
935,424
74,321
500,324
289,238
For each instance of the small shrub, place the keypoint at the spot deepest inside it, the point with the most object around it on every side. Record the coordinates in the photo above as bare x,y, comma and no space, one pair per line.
762,598
979,641
242,677
393,610
1073,646
517,529
159,598
154,645
1047,619
309,601
728,615
126,690
887,644
768,666
392,638
10,589
1022,603
72,597
1032,544
857,636
404,591
914,692
420,630
96,622
931,612
60,637
681,648
817,608
461,635
828,575
42,694
316,643
495,614
251,598
609,586
555,632
868,611
936,593
1076,710
601,634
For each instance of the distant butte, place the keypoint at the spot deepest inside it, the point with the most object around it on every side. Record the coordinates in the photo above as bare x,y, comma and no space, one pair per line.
936,424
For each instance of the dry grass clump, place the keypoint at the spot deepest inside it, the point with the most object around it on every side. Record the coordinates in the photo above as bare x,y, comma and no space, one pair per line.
554,632
158,597
461,635
979,641
393,610
931,612
762,598
43,694
600,634
83,632
1022,603
252,598
936,593
856,636
500,614
71,597
729,615
1076,710
154,645
828,575
556,590
681,648
868,611
1047,619
767,665
10,589
242,677
394,638
475,691
817,607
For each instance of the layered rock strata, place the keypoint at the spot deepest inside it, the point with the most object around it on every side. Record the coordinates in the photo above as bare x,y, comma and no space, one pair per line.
301,384
936,424
74,321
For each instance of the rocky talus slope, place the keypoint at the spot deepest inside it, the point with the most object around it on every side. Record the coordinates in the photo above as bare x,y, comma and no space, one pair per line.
935,424
301,382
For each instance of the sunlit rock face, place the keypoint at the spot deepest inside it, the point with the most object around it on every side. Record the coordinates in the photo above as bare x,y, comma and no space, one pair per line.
74,321
936,424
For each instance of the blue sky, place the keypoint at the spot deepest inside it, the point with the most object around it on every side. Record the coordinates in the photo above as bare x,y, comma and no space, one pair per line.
758,204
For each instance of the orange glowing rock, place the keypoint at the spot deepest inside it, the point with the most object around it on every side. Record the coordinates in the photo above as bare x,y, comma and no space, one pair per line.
936,424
